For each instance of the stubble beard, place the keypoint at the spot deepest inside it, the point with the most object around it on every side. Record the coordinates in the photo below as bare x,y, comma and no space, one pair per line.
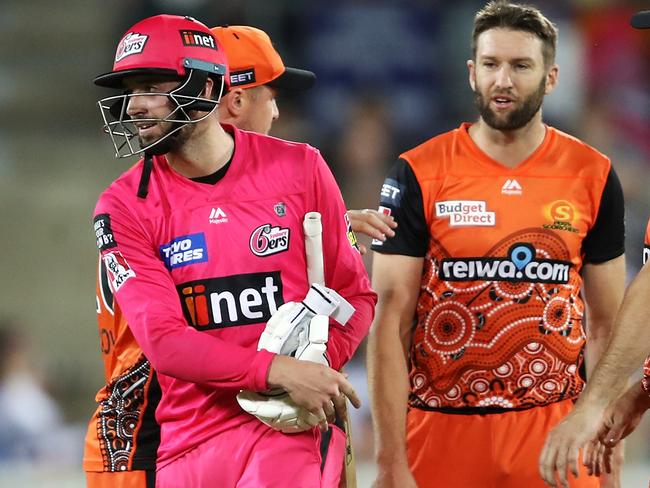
516,119
169,143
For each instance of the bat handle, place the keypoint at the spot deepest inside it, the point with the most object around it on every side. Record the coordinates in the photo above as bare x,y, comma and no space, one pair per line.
313,229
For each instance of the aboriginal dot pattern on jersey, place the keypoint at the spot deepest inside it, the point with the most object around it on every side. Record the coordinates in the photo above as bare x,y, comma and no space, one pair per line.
497,343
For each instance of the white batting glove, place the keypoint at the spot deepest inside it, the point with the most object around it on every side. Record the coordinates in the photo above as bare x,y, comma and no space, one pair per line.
300,330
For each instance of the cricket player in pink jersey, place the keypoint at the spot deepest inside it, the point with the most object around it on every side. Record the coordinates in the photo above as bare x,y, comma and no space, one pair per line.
203,243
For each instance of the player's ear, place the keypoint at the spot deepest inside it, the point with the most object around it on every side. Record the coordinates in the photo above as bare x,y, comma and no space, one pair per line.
471,68
551,79
208,88
234,101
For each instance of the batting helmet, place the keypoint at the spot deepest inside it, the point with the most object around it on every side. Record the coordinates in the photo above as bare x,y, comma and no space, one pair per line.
167,46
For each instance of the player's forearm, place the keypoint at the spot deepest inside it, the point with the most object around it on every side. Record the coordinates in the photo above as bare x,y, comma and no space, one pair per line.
179,351
629,344
389,390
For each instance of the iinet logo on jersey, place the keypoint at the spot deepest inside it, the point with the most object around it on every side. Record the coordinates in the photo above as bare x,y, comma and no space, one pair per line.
466,213
218,216
511,187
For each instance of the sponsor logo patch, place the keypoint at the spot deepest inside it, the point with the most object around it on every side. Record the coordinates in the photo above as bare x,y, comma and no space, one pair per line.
267,240
385,211
511,187
231,300
194,38
519,265
391,192
218,216
280,209
184,250
118,269
352,237
242,77
132,43
646,254
562,214
103,232
466,213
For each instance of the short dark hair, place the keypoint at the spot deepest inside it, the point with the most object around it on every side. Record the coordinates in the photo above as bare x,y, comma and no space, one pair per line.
516,17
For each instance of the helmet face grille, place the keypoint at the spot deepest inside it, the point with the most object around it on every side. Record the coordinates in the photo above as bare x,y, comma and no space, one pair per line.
184,101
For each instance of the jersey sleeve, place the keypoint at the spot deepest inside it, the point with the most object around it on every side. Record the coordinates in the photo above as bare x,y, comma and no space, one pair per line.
344,269
606,239
401,197
146,294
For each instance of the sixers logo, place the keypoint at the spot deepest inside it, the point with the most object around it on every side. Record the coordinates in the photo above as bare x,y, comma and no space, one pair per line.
267,240
133,43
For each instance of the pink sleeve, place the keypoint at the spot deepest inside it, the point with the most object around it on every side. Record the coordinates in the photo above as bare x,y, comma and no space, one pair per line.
344,269
148,298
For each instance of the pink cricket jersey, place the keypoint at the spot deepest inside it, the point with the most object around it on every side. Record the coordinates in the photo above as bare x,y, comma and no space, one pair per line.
198,269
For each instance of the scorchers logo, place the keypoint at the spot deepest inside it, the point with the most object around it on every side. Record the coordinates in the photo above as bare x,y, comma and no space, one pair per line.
267,240
231,300
520,265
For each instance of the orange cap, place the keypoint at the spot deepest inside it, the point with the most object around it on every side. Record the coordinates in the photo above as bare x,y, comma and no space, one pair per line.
253,60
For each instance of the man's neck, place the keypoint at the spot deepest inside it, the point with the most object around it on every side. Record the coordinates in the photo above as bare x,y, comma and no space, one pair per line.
509,148
207,150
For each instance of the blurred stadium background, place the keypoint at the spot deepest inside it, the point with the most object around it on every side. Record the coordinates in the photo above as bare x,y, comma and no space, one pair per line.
390,75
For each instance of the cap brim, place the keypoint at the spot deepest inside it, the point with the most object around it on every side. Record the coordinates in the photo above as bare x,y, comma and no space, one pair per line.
294,79
641,20
114,78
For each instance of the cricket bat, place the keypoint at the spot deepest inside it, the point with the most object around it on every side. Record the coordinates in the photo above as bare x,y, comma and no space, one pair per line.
313,230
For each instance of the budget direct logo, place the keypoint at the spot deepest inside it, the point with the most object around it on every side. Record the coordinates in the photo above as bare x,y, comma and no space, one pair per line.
562,215
231,300
267,240
184,250
521,264
466,213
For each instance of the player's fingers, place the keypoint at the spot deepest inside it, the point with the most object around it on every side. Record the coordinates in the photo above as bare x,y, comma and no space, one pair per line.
362,249
608,459
567,460
372,226
386,219
372,223
346,388
588,454
312,419
339,405
318,418
547,462
330,412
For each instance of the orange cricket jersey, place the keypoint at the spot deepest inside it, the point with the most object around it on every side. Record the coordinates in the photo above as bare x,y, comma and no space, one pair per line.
123,434
499,320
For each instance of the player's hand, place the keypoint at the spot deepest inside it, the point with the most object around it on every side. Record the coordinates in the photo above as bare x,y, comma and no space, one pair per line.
394,475
312,386
371,223
610,471
562,448
624,414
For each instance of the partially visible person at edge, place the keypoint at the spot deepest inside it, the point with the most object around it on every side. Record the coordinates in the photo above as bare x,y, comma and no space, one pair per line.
478,346
609,409
231,176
